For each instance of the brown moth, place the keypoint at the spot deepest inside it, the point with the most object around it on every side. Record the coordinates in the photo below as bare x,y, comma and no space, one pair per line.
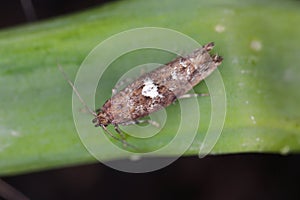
154,90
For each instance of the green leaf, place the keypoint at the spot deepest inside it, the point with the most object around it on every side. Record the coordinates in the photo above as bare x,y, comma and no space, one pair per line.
259,41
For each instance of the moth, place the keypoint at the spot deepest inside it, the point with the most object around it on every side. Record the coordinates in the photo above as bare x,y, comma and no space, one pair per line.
154,90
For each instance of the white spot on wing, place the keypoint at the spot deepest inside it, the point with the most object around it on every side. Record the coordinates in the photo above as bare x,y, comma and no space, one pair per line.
139,108
174,75
188,72
182,63
150,89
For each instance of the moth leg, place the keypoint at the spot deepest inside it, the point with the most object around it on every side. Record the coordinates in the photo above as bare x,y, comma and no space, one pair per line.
149,121
118,130
139,121
186,96
123,141
126,81
110,134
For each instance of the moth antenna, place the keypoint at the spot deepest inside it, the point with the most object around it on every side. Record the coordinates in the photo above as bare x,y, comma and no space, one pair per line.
76,91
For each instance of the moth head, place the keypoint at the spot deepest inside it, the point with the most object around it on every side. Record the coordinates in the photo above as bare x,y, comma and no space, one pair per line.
102,119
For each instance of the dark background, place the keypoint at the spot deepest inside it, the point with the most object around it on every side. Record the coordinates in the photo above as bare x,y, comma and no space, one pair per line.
243,176
249,176
15,12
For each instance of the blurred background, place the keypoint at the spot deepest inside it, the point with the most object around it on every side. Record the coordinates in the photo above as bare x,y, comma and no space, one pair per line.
241,176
